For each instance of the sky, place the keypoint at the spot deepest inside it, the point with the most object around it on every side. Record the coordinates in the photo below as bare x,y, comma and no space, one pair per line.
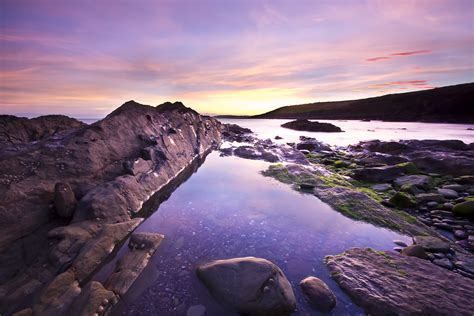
85,58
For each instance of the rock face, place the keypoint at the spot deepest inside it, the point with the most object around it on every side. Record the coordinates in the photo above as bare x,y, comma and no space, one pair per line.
385,283
250,286
318,294
100,175
308,126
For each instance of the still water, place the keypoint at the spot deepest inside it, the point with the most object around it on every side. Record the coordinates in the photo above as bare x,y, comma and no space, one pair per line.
356,131
228,209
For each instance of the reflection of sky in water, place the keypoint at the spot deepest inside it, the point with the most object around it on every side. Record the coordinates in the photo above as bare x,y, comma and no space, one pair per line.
356,131
227,209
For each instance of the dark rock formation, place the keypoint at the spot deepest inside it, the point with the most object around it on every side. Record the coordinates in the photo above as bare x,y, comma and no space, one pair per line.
250,286
308,126
318,294
112,167
385,283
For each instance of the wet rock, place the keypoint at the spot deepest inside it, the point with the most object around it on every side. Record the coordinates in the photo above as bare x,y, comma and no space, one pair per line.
318,294
377,174
448,206
64,200
402,200
381,187
460,234
251,286
415,251
432,244
58,296
400,243
465,180
448,193
455,187
94,298
432,204
196,310
464,209
306,125
24,312
428,197
444,263
415,287
420,181
145,241
312,145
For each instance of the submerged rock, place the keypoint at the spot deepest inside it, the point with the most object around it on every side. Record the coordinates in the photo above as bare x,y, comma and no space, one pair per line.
306,125
385,283
318,294
250,286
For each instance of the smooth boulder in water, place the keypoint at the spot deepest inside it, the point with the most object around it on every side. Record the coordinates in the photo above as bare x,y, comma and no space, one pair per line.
318,294
249,285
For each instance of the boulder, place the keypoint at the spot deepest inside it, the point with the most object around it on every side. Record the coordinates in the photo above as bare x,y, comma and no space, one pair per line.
415,251
385,283
428,197
432,244
137,166
94,299
250,286
318,294
448,193
420,181
381,187
464,209
64,200
402,200
377,174
306,125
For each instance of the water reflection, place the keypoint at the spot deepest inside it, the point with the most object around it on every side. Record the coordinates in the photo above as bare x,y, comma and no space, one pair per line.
227,209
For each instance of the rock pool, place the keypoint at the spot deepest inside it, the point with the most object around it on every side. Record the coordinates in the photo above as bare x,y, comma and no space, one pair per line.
228,209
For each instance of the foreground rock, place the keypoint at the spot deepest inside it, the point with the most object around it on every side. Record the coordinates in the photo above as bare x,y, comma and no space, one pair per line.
250,286
96,176
318,294
390,284
308,126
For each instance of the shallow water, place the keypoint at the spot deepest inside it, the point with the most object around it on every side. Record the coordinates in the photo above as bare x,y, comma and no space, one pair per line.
356,131
228,209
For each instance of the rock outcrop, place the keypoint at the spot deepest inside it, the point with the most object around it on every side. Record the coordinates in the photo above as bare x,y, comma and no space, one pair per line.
385,283
250,286
308,126
96,176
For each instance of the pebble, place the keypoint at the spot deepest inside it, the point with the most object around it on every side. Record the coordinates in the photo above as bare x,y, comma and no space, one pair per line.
460,234
432,204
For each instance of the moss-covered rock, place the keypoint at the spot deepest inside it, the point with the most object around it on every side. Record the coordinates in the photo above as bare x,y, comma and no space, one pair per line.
402,200
409,167
465,208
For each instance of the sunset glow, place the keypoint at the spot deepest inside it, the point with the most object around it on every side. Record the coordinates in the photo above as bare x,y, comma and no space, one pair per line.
85,58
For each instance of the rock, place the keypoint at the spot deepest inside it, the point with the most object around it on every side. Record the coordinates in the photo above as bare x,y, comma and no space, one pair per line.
137,166
432,204
460,234
428,197
455,187
145,241
92,298
250,286
400,243
448,193
318,294
381,187
448,206
464,209
377,174
432,244
402,200
384,283
306,125
465,179
312,145
64,200
415,251
58,296
444,263
196,310
420,181
278,137
24,312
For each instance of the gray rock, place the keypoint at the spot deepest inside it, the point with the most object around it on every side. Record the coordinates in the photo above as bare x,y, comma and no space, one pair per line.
448,206
432,244
381,187
145,241
460,234
427,197
197,310
415,251
64,200
455,187
318,294
419,181
448,193
377,174
444,263
388,283
250,286
400,243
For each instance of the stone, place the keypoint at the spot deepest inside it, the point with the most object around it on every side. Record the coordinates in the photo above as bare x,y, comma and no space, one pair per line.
93,297
196,310
432,204
448,206
381,187
250,286
427,197
415,251
137,166
465,180
400,243
377,174
432,244
455,187
448,193
318,294
385,283
460,234
402,200
64,200
145,241
444,263
464,209
306,125
420,181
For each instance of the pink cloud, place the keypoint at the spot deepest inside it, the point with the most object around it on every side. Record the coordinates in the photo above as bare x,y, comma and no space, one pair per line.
416,52
377,58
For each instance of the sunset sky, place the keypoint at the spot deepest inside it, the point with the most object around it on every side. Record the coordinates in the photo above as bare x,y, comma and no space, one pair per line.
85,58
